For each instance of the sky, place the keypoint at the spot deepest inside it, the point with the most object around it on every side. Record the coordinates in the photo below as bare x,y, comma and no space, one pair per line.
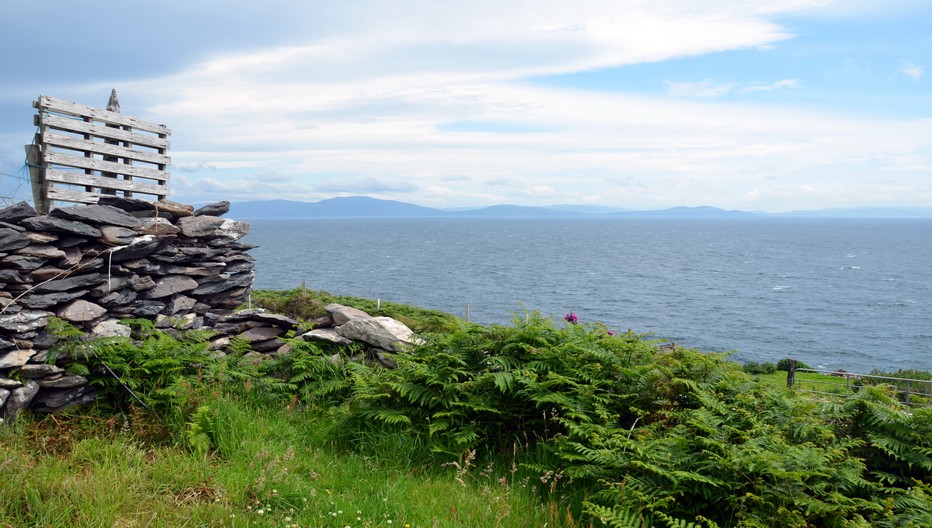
764,105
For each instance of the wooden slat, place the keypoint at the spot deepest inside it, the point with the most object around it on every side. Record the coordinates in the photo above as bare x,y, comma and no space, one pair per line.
74,125
57,158
74,178
67,195
75,143
62,106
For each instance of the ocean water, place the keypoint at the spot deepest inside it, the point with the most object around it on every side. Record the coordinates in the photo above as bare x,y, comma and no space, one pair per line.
836,293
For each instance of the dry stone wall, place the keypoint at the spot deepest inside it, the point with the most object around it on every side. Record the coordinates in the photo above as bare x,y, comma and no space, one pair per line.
92,265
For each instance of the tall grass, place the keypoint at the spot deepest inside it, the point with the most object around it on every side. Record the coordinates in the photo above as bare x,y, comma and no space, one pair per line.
266,466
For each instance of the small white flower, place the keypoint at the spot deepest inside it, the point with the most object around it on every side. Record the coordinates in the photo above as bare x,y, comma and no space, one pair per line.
260,511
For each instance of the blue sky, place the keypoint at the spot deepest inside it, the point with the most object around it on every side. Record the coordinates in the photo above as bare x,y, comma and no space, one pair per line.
767,105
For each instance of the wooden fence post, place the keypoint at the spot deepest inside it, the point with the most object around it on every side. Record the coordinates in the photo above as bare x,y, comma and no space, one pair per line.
790,372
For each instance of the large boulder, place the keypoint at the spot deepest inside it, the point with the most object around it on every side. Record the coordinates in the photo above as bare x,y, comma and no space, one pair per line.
343,314
381,332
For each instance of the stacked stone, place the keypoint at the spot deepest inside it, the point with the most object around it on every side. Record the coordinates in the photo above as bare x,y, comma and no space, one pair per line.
91,264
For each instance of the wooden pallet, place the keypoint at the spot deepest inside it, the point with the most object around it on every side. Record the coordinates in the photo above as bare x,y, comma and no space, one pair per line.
81,153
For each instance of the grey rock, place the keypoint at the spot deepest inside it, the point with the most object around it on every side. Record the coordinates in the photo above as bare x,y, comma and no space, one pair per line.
212,227
22,262
110,285
326,335
116,236
180,303
110,328
381,332
72,257
202,269
236,281
61,225
24,321
41,370
343,314
48,300
214,209
11,239
64,382
157,226
41,250
96,215
16,358
262,333
179,210
228,299
17,213
81,311
9,275
182,322
19,399
41,238
141,246
4,393
4,344
56,400
170,285
7,383
47,273
118,298
261,316
147,308
126,204
139,283
71,283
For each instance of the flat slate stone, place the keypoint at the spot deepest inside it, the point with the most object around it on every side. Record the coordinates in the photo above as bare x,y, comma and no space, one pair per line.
23,262
157,226
24,321
16,358
214,209
81,310
171,285
64,382
41,370
126,204
48,300
19,399
17,213
11,239
60,225
97,215
71,283
212,227
41,250
179,210
116,236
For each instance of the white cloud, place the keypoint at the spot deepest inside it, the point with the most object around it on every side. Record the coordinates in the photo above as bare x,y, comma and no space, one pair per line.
702,89
911,70
778,85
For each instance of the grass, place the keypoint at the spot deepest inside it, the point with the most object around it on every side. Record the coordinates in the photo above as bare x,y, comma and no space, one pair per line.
267,466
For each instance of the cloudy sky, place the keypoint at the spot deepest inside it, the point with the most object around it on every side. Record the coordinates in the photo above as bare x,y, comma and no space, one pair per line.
769,105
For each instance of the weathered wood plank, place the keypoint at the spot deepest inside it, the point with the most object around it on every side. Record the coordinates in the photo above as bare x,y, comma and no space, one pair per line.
75,143
80,127
54,104
68,195
74,178
36,179
57,158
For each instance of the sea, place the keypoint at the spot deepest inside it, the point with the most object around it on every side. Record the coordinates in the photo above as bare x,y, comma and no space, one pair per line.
836,293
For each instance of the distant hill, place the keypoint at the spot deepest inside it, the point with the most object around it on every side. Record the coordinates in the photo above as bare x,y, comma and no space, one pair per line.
346,207
704,211
514,211
365,207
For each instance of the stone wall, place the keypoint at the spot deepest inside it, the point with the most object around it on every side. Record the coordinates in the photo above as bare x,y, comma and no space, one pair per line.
92,265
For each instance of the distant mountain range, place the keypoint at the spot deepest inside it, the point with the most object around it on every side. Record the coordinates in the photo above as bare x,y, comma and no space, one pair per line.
366,207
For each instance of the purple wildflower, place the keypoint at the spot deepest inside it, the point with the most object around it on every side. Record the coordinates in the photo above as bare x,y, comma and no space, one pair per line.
571,318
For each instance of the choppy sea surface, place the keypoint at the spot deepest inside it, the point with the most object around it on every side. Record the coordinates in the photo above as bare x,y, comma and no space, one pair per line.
836,293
